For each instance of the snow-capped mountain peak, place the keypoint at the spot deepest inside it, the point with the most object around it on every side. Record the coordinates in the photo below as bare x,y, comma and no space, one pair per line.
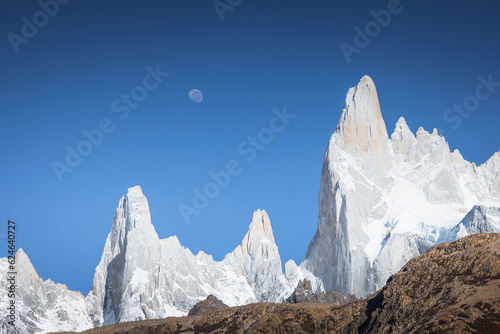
379,195
259,230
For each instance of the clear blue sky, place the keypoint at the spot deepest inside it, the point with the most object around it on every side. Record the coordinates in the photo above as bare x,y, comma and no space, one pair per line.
263,55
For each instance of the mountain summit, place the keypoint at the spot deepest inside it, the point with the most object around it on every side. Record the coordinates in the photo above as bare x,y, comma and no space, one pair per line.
143,277
384,201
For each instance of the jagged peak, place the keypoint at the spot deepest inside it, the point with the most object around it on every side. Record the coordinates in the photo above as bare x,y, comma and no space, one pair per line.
421,132
361,127
401,121
132,210
20,252
402,131
23,260
134,191
260,229
494,159
261,222
21,256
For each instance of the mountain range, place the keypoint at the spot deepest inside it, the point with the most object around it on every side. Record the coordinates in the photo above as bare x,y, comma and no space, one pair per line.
452,288
383,200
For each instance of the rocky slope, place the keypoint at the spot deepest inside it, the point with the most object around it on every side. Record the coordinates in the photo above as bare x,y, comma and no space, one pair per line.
452,288
384,200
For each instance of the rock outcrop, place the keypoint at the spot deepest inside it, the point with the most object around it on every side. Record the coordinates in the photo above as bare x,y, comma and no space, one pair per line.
207,306
304,293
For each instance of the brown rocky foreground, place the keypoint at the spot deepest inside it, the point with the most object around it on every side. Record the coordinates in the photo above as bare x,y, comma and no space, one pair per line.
452,288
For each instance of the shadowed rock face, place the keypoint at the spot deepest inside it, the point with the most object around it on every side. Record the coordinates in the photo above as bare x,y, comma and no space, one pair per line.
452,288
207,306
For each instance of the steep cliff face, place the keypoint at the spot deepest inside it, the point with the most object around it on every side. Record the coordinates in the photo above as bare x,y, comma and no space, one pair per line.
142,277
383,201
129,260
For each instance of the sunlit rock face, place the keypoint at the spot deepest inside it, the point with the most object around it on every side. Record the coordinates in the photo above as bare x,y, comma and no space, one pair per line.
143,277
384,200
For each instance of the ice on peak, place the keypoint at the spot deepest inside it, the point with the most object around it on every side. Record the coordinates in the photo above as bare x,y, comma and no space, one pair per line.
258,260
261,223
402,131
422,132
401,121
134,190
132,212
23,259
20,252
367,80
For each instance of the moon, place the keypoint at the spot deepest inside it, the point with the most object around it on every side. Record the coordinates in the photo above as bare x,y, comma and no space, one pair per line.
195,96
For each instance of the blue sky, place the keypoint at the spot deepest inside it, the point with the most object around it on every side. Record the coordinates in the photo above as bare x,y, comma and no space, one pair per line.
262,56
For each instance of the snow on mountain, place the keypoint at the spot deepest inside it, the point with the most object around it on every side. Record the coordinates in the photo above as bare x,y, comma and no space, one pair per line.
383,201
257,258
480,219
143,277
41,306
